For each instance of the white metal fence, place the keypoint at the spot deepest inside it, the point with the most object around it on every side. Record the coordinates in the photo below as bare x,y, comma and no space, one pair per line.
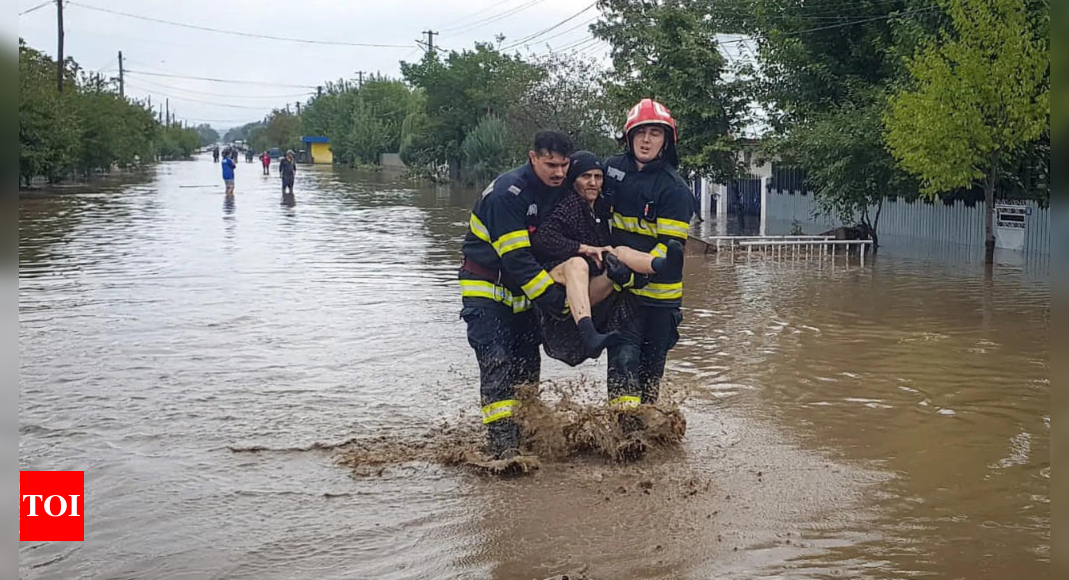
935,222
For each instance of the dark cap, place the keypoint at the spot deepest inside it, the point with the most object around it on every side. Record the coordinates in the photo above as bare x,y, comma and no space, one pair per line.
581,162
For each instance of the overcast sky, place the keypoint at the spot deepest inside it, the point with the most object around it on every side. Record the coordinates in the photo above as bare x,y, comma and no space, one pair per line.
94,38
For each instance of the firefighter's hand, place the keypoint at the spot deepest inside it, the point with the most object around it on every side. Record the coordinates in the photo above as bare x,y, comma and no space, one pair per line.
554,301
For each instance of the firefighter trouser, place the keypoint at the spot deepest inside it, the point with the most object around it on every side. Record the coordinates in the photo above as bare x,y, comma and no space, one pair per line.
637,364
506,347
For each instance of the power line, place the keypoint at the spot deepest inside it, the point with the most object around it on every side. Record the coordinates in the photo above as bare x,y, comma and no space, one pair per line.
495,18
555,26
162,87
450,25
35,8
211,80
233,32
199,101
567,30
862,21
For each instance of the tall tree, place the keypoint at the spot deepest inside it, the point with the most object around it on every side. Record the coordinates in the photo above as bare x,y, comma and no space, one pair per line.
462,89
825,68
978,93
670,51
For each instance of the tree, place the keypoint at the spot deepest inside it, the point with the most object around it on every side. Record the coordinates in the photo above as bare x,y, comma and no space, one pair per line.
847,166
486,149
282,130
564,99
460,91
206,135
824,69
670,51
362,122
49,131
978,93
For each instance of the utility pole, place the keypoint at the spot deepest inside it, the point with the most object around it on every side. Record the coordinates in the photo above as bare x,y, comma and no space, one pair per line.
360,77
59,52
319,91
122,78
167,103
430,39
298,108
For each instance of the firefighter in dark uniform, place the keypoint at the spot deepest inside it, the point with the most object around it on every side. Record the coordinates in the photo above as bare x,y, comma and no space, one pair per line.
501,283
652,208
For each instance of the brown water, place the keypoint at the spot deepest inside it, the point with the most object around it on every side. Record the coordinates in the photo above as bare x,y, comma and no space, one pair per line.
888,422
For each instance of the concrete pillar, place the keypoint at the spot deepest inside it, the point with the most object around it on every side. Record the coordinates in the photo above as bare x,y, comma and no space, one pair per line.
707,199
766,184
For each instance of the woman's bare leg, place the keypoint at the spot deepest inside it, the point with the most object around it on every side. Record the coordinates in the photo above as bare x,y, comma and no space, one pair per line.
639,262
575,275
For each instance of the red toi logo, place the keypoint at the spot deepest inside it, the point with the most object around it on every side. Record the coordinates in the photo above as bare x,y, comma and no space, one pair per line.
52,509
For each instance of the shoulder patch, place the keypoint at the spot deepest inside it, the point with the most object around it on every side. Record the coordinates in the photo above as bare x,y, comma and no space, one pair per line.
514,189
616,174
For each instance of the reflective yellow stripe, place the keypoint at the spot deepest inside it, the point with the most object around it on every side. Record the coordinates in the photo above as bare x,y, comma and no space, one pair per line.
495,292
512,241
634,225
625,402
478,228
659,251
499,410
674,228
537,285
672,291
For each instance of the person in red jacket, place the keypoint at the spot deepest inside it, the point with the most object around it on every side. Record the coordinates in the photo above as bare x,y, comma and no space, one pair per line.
265,158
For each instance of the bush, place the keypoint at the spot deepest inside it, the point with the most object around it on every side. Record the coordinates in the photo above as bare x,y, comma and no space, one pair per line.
485,150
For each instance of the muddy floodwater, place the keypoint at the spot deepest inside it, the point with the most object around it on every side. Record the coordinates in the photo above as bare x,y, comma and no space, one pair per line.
198,360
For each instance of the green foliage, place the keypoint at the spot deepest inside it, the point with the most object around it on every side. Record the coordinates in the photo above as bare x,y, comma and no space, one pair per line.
175,142
242,133
87,128
49,129
361,122
486,150
977,94
669,51
824,89
566,97
206,135
282,130
460,91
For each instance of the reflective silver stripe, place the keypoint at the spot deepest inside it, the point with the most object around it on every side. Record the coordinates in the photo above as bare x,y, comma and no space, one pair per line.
674,228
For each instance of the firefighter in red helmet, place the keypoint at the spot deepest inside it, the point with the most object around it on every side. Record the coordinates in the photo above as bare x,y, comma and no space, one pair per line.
652,209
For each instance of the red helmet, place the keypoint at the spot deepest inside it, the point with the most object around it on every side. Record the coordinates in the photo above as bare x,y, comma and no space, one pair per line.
649,112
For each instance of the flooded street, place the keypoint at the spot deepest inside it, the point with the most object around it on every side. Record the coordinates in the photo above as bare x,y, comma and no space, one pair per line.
885,422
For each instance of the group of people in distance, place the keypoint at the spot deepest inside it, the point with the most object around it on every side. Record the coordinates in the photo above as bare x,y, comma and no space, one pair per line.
579,255
287,168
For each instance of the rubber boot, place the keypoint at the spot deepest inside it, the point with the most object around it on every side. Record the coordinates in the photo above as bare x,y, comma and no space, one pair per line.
504,439
633,447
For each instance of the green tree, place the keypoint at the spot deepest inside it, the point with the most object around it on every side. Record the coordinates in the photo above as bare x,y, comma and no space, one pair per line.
460,91
823,72
206,135
979,93
282,130
49,132
486,149
361,122
670,51
563,98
